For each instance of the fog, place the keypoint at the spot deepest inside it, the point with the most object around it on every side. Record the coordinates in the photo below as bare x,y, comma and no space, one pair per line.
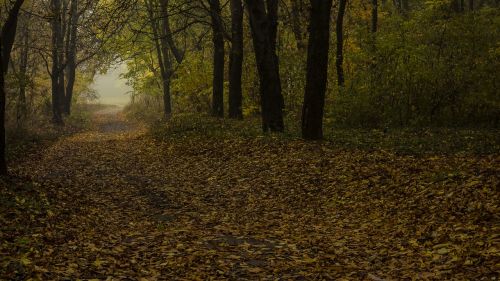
111,88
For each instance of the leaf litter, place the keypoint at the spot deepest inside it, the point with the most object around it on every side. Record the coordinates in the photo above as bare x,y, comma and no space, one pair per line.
115,204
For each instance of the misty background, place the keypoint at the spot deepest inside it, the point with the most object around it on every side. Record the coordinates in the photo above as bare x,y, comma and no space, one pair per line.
112,89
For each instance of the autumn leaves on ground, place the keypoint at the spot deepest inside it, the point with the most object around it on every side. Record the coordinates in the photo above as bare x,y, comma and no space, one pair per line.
114,203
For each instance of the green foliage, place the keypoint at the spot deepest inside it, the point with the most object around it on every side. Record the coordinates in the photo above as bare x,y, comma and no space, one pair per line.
431,69
192,83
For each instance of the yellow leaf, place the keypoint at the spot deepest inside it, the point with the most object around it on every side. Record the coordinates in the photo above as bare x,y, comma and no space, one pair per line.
443,251
98,263
25,261
254,270
308,260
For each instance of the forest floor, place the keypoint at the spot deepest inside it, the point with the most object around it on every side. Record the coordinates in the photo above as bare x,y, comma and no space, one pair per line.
114,203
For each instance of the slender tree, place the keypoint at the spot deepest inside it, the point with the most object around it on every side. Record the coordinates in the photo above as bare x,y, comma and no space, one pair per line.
22,73
317,70
374,21
236,60
71,51
165,46
57,73
297,14
340,43
218,66
263,24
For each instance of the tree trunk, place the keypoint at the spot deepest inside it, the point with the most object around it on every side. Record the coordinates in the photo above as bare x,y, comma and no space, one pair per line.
296,16
374,23
23,75
3,163
168,35
57,71
266,59
167,45
167,100
71,56
340,43
164,44
218,67
236,60
272,14
6,42
317,70
9,33
405,6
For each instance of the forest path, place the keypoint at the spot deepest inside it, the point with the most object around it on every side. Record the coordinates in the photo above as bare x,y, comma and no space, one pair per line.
126,207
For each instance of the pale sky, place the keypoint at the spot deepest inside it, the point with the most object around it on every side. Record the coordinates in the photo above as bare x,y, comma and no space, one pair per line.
111,88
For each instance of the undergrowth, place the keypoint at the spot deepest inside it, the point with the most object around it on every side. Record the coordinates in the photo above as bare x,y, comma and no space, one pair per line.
404,140
39,132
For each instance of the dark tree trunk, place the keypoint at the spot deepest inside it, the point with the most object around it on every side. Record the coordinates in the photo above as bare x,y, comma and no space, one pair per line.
9,33
405,5
266,59
71,56
6,42
340,43
162,54
23,75
297,28
374,23
167,45
272,14
317,70
3,163
218,68
168,35
236,60
57,74
167,100
61,51
402,6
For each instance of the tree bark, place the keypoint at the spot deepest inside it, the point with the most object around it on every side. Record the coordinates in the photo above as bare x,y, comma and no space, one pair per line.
340,43
168,35
317,70
71,56
3,162
23,74
164,44
57,74
272,14
296,17
167,45
9,33
6,42
374,22
266,59
236,60
218,67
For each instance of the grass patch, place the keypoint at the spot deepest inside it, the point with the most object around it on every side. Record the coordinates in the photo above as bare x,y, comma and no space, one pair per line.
404,141
41,132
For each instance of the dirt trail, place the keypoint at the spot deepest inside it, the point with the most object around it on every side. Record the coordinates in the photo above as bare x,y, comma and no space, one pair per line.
124,207
111,120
